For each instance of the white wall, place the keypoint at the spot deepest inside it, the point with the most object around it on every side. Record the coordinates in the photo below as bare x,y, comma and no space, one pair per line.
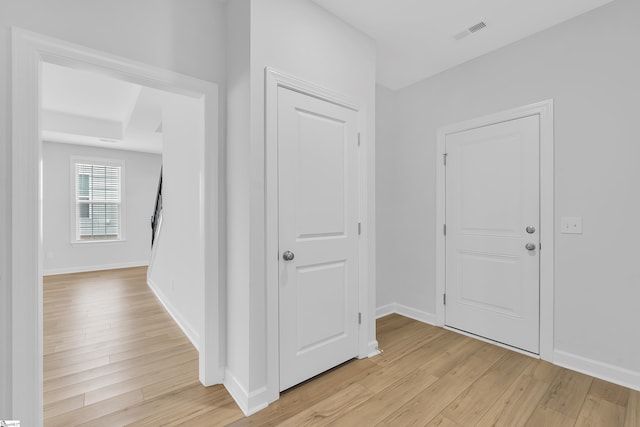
316,47
141,173
238,156
387,194
590,67
176,272
186,36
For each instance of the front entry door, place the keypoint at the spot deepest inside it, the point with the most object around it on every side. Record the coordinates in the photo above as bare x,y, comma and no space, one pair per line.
318,235
492,232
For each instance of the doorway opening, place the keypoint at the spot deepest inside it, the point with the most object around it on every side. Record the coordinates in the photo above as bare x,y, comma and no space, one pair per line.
30,53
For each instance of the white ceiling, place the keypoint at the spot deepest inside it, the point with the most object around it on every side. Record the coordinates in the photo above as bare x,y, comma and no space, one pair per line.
83,107
415,38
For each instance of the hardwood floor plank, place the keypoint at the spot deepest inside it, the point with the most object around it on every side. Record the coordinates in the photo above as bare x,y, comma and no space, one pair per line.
442,421
218,417
172,408
91,412
63,406
545,371
139,382
136,364
72,357
546,417
514,407
567,393
391,322
151,329
113,339
152,348
176,382
473,402
598,412
454,356
88,382
420,353
429,357
114,357
432,400
299,398
610,392
387,401
632,418
330,409
406,340
50,374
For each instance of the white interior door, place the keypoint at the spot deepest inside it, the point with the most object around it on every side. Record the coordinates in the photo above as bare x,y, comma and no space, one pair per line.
492,232
318,226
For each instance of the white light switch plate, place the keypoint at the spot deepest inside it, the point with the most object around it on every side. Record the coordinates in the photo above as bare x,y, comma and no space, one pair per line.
571,225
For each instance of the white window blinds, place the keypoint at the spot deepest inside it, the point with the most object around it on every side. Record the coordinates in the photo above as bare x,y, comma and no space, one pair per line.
98,201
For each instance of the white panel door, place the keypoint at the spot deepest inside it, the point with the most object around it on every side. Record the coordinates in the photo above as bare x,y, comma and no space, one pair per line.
318,224
492,234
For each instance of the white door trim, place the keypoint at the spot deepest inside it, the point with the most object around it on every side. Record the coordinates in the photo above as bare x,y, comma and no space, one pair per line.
544,110
29,51
367,345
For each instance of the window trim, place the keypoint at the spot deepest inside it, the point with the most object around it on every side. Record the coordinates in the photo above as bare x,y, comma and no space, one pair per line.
74,241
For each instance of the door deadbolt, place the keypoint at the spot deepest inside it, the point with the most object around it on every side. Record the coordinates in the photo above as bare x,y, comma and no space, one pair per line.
530,229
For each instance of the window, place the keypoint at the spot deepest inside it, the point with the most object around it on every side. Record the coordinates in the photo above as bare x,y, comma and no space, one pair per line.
97,188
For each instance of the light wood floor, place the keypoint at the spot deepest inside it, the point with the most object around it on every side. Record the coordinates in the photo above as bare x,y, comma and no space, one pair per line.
114,357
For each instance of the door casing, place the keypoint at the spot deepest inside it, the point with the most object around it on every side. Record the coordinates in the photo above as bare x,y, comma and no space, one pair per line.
29,51
544,110
367,346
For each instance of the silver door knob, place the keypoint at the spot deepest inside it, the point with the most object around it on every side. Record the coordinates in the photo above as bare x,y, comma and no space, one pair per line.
530,246
288,256
530,229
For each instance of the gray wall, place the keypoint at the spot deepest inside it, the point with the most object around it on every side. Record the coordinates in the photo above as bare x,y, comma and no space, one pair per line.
388,194
590,66
141,173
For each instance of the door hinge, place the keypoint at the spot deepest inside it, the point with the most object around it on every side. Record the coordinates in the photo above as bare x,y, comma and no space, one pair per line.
358,139
444,229
359,228
359,318
444,299
444,158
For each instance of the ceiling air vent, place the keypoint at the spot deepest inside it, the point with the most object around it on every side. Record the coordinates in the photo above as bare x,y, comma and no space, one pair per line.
472,29
477,27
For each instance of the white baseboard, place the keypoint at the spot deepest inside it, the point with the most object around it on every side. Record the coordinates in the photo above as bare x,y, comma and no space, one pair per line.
249,403
186,327
594,368
604,371
86,268
403,310
385,310
372,349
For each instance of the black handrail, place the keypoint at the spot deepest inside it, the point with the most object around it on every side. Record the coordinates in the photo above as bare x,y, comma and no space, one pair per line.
156,212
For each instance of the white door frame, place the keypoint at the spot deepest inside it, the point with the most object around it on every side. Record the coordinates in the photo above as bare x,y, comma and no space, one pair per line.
29,51
367,346
544,110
